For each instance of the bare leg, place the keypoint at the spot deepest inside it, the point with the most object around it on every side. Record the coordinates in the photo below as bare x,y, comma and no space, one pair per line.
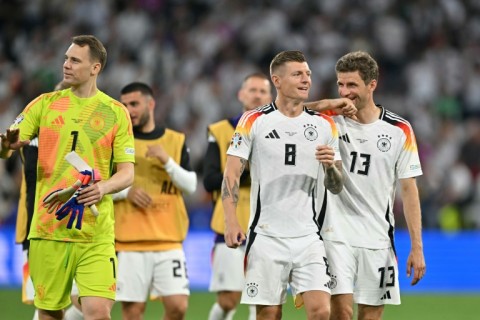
133,310
317,304
342,307
366,312
269,312
175,306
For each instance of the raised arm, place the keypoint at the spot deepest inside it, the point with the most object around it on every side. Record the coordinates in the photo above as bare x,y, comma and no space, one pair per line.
234,168
181,175
341,106
413,217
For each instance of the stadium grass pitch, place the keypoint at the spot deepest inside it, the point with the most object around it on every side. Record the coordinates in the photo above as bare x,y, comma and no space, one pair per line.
413,307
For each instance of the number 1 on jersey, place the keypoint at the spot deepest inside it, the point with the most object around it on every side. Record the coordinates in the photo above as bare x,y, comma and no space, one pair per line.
75,137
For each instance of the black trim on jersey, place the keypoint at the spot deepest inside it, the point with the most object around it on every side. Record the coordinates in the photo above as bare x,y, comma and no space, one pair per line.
251,238
266,109
257,212
30,159
252,234
272,107
156,133
391,117
315,218
382,111
323,212
311,112
391,230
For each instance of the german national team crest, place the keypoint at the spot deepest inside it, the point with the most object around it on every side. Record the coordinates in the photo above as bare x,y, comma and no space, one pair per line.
97,122
332,284
310,132
383,143
252,289
236,140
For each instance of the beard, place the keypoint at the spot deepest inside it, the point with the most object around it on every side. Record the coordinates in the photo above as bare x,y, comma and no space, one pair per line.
142,122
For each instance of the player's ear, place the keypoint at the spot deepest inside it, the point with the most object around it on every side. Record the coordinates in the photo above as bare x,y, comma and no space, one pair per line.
151,103
275,80
96,67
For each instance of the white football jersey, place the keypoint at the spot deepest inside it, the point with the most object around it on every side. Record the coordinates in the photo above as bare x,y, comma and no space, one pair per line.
283,168
374,157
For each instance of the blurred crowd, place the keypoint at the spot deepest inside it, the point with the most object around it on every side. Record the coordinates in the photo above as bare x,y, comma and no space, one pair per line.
195,53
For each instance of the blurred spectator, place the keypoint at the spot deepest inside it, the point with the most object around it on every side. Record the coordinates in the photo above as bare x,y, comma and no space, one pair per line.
196,53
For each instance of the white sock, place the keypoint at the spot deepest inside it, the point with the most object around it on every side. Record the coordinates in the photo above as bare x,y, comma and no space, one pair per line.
35,315
217,313
73,313
252,309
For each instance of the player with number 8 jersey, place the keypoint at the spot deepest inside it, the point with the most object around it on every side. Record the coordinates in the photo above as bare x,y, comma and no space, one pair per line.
283,184
280,142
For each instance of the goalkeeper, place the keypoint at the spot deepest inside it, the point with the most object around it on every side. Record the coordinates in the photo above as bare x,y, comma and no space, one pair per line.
83,119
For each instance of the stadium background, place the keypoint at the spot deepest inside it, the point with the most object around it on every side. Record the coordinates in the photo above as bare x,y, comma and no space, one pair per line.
195,54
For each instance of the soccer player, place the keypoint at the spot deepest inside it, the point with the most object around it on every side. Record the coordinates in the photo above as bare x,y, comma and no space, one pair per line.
26,205
98,128
279,142
151,218
227,265
378,150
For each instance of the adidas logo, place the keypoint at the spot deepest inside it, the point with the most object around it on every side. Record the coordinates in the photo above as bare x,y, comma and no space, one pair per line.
386,296
58,121
345,138
113,288
273,135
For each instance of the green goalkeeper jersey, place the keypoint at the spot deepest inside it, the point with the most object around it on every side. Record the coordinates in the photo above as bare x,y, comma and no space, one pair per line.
100,131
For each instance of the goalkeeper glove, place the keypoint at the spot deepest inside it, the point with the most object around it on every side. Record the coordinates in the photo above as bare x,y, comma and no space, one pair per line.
72,206
75,210
60,196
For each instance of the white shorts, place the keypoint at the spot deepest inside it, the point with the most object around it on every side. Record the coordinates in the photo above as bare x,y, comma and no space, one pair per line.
371,275
274,263
227,268
160,273
28,291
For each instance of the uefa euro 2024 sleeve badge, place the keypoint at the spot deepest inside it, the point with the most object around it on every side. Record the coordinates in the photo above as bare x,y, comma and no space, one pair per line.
236,140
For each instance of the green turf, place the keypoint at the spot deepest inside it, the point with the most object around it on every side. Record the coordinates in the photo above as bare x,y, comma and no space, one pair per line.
414,307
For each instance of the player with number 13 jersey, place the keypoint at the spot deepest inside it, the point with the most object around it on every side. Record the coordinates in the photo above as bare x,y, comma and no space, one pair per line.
375,155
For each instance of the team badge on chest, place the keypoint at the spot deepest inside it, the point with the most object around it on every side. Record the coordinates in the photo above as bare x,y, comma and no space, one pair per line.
310,132
383,143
